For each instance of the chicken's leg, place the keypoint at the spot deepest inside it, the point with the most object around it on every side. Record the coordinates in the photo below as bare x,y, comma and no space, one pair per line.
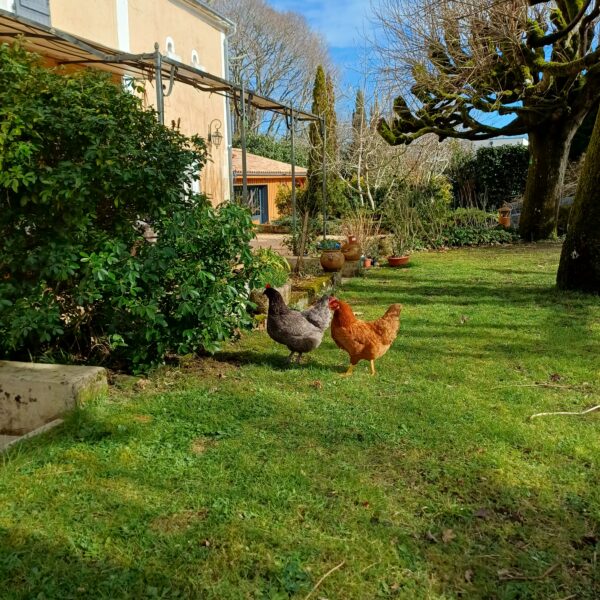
372,367
290,358
348,372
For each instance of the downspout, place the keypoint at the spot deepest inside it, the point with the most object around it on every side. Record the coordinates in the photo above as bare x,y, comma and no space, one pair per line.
244,153
229,116
160,99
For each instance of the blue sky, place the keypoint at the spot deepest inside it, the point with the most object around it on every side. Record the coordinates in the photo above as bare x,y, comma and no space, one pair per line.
342,23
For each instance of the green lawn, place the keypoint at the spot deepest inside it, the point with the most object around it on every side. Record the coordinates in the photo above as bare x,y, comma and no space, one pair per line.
241,477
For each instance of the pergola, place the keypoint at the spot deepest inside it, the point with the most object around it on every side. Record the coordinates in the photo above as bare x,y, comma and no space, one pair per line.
68,49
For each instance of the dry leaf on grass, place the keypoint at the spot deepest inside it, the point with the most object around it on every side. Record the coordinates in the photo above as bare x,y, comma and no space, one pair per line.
141,384
142,418
448,535
201,445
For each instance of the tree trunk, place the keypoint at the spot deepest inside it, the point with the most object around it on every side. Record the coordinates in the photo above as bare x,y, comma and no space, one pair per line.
579,267
549,148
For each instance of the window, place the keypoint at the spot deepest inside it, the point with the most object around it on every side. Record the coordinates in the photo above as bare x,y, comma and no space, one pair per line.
128,83
196,61
170,45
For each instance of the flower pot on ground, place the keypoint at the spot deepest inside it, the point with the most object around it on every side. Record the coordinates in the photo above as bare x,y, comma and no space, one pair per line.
351,249
397,250
398,261
368,263
504,216
332,259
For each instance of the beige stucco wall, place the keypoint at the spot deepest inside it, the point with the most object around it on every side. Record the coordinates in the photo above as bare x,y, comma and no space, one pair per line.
151,21
96,22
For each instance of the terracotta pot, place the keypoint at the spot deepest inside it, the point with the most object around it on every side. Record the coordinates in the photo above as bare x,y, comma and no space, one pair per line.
368,263
504,220
504,216
397,261
351,249
332,260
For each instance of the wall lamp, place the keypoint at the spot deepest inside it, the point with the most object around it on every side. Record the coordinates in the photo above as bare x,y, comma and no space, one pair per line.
214,135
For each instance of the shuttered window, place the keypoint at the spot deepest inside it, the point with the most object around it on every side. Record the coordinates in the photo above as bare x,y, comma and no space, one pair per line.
35,10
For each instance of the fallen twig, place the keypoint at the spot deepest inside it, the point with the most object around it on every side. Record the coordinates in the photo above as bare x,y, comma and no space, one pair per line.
323,579
579,414
509,577
543,384
369,566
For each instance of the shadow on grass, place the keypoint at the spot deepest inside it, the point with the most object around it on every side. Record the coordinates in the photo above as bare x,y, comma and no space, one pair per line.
274,361
34,566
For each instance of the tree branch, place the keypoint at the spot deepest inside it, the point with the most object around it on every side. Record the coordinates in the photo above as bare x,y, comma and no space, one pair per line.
537,42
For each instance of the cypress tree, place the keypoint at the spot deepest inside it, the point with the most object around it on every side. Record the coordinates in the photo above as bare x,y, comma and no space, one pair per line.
323,106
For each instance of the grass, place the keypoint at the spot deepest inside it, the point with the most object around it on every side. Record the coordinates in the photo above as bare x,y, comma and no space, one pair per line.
240,477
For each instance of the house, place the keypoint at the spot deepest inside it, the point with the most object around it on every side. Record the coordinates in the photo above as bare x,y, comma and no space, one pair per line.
499,141
189,31
265,177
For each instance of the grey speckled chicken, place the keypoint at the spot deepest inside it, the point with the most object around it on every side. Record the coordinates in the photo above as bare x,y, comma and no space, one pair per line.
319,314
301,332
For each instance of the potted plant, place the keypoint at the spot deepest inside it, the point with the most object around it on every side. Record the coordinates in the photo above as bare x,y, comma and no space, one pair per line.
396,250
351,249
400,253
361,226
332,258
403,221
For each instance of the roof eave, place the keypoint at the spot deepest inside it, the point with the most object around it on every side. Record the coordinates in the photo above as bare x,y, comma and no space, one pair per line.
215,17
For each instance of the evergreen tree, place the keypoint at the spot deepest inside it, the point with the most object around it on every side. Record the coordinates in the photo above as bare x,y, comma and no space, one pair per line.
323,106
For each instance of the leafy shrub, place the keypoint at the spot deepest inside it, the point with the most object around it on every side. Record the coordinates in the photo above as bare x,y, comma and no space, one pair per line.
472,217
489,177
416,214
477,236
81,162
474,227
271,268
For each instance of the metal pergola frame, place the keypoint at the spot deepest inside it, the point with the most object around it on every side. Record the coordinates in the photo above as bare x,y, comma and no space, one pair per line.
67,49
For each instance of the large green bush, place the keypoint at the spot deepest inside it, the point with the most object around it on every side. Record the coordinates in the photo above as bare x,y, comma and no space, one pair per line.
489,177
81,162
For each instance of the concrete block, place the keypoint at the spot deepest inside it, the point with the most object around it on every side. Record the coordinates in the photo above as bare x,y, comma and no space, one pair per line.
6,441
351,268
33,394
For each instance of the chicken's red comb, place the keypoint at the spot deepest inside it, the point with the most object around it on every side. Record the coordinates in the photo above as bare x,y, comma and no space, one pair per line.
268,285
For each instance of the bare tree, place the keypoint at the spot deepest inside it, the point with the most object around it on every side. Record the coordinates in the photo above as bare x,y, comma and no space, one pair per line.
279,56
460,64
368,165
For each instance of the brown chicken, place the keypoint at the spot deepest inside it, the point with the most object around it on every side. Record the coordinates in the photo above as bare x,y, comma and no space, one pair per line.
363,340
